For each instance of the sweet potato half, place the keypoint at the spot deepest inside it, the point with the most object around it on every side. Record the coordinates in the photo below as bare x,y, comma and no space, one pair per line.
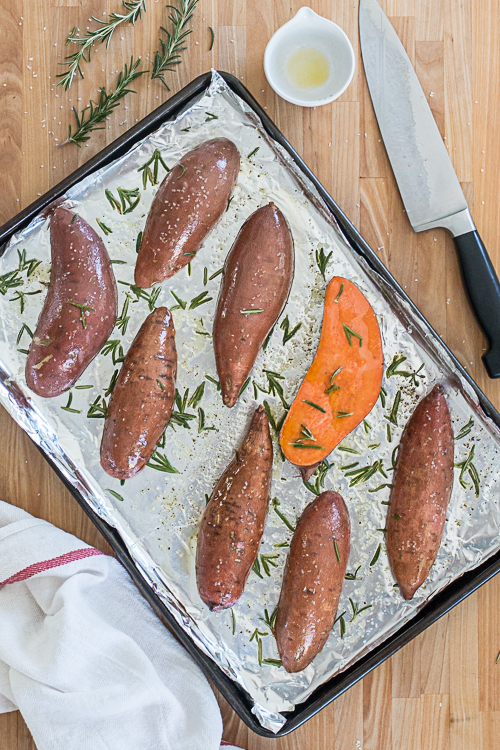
343,382
141,403
421,491
80,309
312,581
233,522
190,201
258,275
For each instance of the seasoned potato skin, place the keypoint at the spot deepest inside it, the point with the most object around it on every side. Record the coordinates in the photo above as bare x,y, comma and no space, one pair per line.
64,345
258,275
313,580
191,199
421,492
233,521
139,408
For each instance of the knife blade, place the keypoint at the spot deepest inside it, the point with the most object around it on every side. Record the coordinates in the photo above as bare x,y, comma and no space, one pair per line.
428,184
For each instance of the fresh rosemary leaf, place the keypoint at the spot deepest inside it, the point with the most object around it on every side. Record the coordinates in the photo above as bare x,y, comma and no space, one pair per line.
282,544
274,386
345,449
233,618
252,153
365,472
376,555
212,39
320,474
23,351
257,634
83,387
251,312
269,620
467,467
205,276
393,416
332,387
68,405
29,266
102,34
217,273
276,503
115,494
138,242
383,395
367,426
94,113
353,576
349,333
83,309
267,560
128,199
389,433
96,409
10,280
151,169
341,621
315,406
339,295
342,414
267,339
296,444
122,321
212,380
393,370
112,383
372,446
256,570
160,462
380,487
244,386
171,47
466,429
356,609
21,298
181,305
273,662
211,116
197,396
287,333
24,328
199,300
150,298
201,421
336,550
349,466
113,347
322,260
107,231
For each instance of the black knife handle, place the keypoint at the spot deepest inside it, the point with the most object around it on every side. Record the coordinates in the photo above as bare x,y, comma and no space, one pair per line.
483,289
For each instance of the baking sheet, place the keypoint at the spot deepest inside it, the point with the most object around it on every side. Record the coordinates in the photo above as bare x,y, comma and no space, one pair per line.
160,512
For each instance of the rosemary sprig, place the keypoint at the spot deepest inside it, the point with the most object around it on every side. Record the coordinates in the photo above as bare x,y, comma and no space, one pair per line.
349,333
274,386
128,200
364,473
94,113
467,467
356,609
149,173
150,298
287,333
181,417
21,298
393,370
10,280
160,462
466,429
169,54
102,34
276,503
322,260
29,266
113,347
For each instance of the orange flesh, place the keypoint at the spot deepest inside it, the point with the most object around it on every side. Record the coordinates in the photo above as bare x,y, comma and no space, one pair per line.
358,381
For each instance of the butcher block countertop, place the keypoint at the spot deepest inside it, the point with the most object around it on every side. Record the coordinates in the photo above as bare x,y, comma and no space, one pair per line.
442,691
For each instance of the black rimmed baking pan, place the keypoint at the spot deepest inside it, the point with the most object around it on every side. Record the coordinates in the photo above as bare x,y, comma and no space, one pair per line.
441,603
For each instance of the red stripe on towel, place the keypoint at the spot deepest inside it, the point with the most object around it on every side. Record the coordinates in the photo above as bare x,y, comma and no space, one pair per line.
39,567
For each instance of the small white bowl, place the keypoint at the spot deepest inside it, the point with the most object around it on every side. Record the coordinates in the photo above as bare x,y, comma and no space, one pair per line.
308,30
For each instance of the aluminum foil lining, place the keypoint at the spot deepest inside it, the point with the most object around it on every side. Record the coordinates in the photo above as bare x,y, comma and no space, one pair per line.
159,515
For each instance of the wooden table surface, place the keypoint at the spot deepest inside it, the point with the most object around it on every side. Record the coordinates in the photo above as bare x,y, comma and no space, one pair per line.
442,691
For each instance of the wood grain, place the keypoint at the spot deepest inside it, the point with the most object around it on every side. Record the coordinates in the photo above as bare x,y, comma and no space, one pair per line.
441,692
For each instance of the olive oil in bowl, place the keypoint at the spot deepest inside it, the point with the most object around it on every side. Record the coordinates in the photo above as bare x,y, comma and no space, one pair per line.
308,68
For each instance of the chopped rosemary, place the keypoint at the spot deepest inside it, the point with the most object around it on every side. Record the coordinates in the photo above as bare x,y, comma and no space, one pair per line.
122,321
349,466
97,113
150,298
106,230
349,333
118,262
315,406
267,339
233,618
366,472
287,333
169,54
199,300
274,386
372,446
205,276
332,387
113,347
138,242
341,621
322,260
389,433
340,292
467,467
212,39
211,116
96,409
367,426
10,280
267,560
251,312
201,421
212,380
83,387
312,447
394,458
244,386
197,396
181,305
24,328
356,610
353,576
393,416
466,429
151,174
160,384
346,449
256,634
380,487
216,273
276,503
272,421
115,494
342,414
269,620
21,297
160,462
68,405
181,417
395,515
127,200
229,202
102,34
383,394
336,550
252,153
83,309
320,474
112,383
256,569
376,555
273,662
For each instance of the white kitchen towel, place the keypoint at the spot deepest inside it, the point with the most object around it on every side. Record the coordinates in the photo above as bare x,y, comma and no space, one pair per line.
83,656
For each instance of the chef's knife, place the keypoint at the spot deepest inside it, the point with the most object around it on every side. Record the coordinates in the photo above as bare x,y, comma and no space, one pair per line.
429,187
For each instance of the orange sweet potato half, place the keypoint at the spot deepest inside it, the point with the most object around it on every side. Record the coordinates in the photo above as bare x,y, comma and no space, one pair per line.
343,382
